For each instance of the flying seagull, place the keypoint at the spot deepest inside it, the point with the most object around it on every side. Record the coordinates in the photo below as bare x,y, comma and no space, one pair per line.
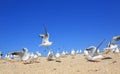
45,38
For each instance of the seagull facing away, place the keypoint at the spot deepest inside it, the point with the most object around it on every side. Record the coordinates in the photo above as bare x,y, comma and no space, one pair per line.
80,51
57,55
63,54
93,54
36,57
45,38
50,55
73,52
77,52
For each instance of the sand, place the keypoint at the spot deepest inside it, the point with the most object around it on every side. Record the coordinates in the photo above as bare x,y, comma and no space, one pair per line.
68,65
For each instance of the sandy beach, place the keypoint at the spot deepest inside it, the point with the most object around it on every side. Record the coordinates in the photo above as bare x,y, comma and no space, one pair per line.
68,65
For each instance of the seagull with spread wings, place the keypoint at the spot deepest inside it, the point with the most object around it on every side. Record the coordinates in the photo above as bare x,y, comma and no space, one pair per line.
112,45
93,54
45,38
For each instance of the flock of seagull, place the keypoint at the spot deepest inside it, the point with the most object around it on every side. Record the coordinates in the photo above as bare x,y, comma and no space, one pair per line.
91,52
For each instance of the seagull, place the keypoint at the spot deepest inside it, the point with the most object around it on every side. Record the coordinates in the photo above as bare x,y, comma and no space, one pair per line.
73,52
63,54
24,55
1,54
45,38
80,51
57,55
66,52
8,56
38,54
111,46
77,52
93,54
116,50
50,55
36,57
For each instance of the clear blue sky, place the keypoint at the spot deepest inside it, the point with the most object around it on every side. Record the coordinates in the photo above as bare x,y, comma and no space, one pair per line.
71,23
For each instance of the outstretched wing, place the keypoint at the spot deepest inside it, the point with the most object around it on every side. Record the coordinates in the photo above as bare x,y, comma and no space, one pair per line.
45,29
96,51
116,38
18,53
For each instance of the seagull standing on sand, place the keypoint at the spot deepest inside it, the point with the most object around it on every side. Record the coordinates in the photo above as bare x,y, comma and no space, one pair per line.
50,55
26,55
77,52
66,52
80,51
73,52
37,56
57,55
45,38
63,54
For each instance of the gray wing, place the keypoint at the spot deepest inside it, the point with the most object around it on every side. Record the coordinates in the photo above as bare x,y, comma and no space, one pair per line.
45,37
116,38
21,54
99,47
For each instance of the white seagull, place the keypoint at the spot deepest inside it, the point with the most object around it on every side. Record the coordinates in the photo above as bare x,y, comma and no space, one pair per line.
57,55
36,57
80,51
111,46
93,54
50,55
73,52
63,54
77,52
45,38
26,55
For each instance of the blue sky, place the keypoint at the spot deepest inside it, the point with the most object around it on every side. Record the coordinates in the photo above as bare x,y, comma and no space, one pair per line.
71,23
